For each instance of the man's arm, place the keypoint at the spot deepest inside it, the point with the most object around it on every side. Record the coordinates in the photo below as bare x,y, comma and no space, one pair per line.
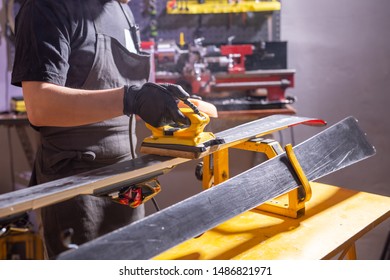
52,105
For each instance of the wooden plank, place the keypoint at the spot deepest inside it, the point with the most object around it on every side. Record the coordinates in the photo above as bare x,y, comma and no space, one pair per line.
333,149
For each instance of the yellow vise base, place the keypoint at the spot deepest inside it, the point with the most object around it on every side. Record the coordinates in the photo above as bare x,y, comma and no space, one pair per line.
191,135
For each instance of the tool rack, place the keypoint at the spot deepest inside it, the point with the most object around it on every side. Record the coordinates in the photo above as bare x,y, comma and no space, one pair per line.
221,7
158,20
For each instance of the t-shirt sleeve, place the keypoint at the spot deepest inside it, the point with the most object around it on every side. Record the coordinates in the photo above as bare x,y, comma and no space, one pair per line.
42,45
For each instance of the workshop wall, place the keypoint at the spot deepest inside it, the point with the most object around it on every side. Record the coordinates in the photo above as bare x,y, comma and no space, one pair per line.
341,53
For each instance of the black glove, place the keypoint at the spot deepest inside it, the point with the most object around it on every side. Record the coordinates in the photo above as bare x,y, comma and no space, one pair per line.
156,104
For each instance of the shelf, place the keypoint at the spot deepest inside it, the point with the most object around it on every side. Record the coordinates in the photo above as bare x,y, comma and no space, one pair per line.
221,6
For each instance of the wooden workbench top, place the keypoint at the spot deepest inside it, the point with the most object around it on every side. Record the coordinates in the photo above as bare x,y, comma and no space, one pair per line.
255,114
13,119
335,218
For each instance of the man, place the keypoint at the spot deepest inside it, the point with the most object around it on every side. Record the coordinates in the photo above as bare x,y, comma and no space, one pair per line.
83,75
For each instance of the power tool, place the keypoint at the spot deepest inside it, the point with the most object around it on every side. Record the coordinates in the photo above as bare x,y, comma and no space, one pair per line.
187,141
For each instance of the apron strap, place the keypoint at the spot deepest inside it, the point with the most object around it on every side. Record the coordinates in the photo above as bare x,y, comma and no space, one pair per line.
62,159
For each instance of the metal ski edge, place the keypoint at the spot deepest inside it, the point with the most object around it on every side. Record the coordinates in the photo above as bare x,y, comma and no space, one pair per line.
340,145
261,127
274,121
354,133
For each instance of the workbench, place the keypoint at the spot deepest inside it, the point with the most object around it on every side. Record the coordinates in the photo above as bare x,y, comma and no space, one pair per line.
245,115
335,218
20,123
13,119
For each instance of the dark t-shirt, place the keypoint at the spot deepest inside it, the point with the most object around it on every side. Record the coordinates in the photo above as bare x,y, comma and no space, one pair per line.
55,39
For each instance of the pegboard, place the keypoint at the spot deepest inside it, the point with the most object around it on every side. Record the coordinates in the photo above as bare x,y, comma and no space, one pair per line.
247,27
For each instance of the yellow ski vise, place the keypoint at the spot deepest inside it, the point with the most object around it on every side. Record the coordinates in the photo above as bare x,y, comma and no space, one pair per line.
188,141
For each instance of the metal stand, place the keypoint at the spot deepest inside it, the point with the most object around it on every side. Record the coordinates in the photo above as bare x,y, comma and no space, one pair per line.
292,204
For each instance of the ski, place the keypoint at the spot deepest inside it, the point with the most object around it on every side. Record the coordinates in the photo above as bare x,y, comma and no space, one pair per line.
337,147
114,177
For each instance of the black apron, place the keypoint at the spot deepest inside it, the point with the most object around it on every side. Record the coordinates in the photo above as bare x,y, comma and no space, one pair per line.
68,151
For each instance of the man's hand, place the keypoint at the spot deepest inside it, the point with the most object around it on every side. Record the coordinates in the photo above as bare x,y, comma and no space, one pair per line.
156,104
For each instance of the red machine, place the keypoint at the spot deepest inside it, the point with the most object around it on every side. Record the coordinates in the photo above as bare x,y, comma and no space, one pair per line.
234,88
236,54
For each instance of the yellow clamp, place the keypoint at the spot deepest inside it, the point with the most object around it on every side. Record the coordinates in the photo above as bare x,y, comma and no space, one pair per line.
299,171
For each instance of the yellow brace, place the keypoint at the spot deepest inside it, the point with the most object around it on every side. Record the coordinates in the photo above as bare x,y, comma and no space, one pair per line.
298,170
292,204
